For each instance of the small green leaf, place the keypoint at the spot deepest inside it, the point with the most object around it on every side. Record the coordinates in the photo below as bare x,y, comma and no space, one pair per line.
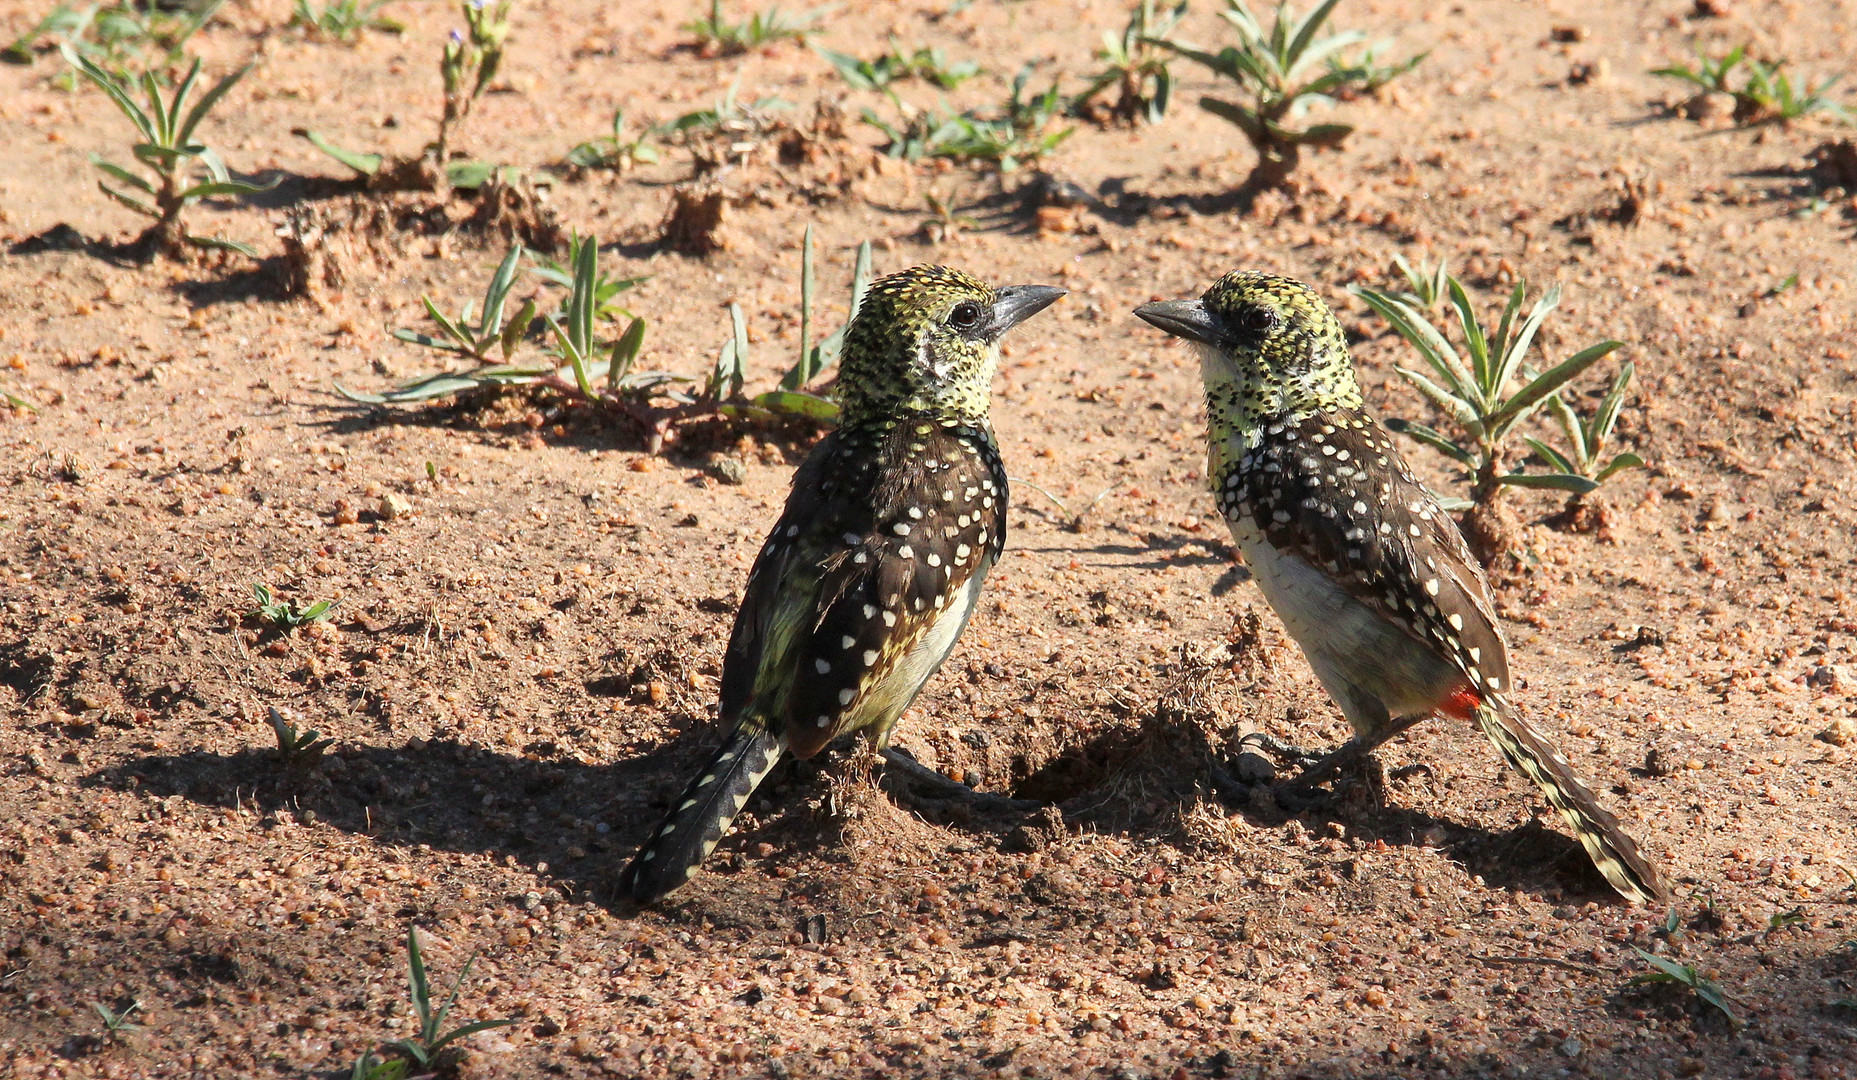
129,201
1432,438
1529,397
624,354
122,174
365,164
794,403
220,243
517,327
1555,459
1578,485
224,187
1619,464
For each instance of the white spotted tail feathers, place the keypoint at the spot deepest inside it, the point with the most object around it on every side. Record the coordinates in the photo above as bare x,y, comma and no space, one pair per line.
1613,852
702,814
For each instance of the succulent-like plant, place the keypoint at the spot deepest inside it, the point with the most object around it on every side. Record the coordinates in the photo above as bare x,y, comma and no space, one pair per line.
1278,79
1487,389
184,170
1135,67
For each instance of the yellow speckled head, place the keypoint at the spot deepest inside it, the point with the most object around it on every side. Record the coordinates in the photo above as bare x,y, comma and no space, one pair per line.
1270,349
926,341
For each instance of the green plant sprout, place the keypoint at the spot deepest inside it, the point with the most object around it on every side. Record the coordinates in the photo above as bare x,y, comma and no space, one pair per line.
927,64
1786,920
1586,438
1766,95
815,358
117,1024
616,152
574,326
726,116
604,288
723,38
1669,971
1135,67
583,364
421,1049
587,360
297,749
1479,392
1276,75
1428,285
168,150
343,20
118,37
468,63
1015,135
491,332
286,613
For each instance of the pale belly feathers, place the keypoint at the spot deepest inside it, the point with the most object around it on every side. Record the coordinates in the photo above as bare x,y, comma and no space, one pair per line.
1373,669
880,705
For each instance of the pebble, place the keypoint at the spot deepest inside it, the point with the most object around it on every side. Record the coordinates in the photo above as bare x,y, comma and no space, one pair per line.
1256,769
394,506
1842,732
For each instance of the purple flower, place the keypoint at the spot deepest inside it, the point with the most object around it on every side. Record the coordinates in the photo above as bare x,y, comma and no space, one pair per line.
457,37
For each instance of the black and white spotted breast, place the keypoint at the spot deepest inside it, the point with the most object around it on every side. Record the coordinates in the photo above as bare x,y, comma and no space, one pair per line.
882,533
1332,489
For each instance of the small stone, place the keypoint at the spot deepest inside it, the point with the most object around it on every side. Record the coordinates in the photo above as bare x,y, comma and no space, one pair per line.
1256,769
394,506
729,469
345,512
1842,732
1572,1048
1831,677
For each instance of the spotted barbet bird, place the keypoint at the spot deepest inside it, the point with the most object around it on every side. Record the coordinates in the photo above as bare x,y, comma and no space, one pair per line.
1366,570
871,572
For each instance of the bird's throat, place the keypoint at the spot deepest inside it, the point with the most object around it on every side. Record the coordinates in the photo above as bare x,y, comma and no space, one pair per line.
1244,402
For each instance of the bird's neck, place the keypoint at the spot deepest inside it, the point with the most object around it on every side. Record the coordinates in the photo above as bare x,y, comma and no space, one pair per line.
1243,405
867,417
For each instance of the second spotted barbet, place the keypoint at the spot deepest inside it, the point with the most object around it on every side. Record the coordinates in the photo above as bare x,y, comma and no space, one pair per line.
1366,570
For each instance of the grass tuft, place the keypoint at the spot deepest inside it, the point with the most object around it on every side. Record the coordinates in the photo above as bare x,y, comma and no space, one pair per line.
1280,73
1488,388
1135,66
184,170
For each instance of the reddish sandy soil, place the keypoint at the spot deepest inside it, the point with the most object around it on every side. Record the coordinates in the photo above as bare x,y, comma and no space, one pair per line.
523,667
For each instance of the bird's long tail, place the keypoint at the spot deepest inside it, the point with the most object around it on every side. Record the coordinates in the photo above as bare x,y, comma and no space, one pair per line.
1535,755
702,814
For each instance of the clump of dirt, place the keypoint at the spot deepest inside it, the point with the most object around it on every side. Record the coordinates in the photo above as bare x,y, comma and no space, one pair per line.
696,223
515,211
1836,159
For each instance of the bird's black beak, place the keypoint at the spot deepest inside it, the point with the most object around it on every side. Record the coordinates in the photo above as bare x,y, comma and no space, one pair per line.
1184,318
1014,304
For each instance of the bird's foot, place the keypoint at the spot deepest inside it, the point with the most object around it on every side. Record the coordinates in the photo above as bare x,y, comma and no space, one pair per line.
1326,767
914,778
1251,777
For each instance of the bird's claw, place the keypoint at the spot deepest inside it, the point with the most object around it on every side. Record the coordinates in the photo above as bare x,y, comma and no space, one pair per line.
1276,747
943,789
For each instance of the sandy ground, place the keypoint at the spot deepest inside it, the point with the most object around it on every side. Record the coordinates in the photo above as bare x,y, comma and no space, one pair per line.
522,669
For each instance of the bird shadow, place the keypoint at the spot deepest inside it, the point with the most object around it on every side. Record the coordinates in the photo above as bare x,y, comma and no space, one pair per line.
1132,780
574,821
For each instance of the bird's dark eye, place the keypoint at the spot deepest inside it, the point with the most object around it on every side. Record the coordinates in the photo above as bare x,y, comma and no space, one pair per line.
1258,320
965,316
